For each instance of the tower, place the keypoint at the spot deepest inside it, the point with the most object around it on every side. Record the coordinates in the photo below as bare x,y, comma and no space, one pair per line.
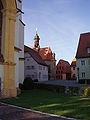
36,41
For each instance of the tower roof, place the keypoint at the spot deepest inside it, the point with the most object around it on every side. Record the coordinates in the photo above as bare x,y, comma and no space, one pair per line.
36,36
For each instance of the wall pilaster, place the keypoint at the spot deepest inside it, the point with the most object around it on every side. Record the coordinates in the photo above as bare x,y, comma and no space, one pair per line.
8,40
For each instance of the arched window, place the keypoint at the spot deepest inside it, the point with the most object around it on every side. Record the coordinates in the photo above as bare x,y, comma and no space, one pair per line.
0,24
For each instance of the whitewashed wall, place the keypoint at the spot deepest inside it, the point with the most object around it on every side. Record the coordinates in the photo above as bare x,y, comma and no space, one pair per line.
85,68
44,73
29,61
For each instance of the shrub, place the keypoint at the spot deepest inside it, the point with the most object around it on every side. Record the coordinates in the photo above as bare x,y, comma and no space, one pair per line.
21,86
28,84
74,90
55,88
18,91
36,80
87,91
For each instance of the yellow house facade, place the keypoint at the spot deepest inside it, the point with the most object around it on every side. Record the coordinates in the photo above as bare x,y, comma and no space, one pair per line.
8,12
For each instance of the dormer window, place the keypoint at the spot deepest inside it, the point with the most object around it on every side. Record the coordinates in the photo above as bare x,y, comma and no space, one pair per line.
88,50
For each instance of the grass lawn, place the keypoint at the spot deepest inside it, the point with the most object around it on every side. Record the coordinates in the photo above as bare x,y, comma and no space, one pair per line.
46,101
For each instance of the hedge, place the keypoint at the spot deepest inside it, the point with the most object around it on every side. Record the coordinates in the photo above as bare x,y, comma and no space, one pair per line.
55,88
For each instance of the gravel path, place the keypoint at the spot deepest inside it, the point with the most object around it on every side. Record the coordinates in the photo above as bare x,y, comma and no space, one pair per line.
8,112
65,83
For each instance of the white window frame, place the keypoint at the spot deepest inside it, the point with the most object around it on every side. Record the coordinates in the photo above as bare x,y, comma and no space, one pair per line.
88,50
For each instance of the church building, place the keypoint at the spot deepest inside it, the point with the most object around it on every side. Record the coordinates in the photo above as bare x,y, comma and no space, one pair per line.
11,47
48,56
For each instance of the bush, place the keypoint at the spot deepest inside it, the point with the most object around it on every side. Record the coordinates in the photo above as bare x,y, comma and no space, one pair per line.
21,86
55,88
36,80
28,84
87,91
74,90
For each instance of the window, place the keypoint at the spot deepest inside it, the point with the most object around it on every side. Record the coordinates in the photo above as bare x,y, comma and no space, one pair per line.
83,74
73,76
45,76
39,75
89,61
88,50
28,76
30,67
61,72
61,77
82,62
43,68
27,59
73,67
32,76
40,67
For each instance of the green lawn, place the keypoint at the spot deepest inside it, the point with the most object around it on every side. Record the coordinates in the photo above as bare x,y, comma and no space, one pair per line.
46,101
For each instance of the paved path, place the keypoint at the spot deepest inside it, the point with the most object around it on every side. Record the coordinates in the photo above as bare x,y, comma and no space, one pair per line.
65,83
8,112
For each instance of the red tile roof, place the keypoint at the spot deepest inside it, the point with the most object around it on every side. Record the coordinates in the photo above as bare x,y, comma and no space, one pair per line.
46,53
84,43
34,55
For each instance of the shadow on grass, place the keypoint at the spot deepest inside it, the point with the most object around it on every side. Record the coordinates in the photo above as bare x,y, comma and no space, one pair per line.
50,102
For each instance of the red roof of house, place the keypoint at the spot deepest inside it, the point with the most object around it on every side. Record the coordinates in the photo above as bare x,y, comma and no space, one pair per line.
34,55
84,43
65,65
46,53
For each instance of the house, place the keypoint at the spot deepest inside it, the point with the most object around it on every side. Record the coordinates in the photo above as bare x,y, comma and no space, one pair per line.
34,65
83,58
63,70
48,56
11,47
73,69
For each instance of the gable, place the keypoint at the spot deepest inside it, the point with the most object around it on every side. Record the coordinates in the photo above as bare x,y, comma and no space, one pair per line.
84,44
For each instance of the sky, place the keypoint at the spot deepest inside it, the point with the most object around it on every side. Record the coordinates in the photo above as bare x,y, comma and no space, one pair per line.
59,24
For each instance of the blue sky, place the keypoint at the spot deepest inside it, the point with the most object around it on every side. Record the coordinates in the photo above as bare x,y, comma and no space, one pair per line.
59,24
